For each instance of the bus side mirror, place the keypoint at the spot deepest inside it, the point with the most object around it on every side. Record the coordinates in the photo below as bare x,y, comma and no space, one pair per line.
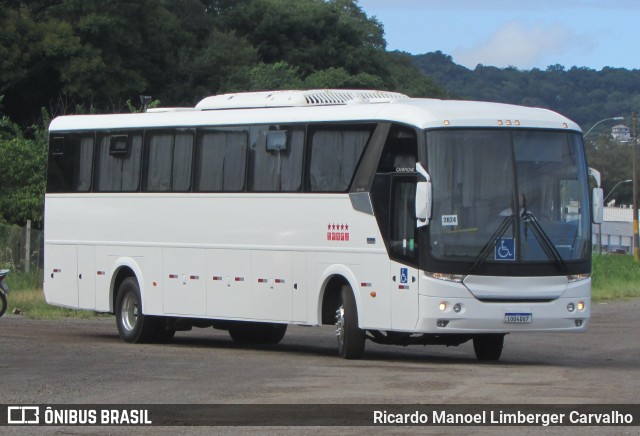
423,198
598,206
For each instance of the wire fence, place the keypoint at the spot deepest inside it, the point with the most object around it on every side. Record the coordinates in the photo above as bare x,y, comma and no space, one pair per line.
21,248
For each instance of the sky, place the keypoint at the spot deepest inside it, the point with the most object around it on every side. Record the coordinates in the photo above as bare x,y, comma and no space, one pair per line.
524,34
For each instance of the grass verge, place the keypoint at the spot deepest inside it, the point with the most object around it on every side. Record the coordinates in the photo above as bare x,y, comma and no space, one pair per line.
25,295
613,278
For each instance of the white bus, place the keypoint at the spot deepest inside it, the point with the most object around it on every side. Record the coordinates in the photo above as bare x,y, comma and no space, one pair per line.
398,220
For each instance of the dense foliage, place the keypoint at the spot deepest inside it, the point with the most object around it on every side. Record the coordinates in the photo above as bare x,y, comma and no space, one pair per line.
74,56
21,174
97,56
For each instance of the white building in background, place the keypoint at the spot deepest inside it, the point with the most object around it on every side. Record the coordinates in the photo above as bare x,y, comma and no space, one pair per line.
621,133
616,230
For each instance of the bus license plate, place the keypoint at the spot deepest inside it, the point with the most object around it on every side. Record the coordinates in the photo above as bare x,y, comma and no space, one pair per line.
518,318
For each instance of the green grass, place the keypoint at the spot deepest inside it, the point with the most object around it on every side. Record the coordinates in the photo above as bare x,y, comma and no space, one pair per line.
25,294
614,277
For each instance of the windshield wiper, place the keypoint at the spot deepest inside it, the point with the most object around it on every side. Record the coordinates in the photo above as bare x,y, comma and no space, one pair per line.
488,247
547,246
541,236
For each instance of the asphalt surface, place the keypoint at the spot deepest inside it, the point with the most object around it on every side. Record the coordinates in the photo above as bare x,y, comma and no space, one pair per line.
85,362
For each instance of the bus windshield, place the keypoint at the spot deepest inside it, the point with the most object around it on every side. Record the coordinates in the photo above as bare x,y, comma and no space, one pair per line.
508,196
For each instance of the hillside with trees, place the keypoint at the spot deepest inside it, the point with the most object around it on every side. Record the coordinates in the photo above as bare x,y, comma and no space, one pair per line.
583,94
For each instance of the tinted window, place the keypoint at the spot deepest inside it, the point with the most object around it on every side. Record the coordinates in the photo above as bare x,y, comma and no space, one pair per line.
277,159
335,153
221,161
70,163
168,161
118,168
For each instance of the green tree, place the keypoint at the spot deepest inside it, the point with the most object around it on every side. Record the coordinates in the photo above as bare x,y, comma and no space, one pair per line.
311,35
613,160
404,77
23,174
280,75
340,78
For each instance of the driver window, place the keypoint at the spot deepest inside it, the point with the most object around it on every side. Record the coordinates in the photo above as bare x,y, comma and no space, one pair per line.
393,193
403,239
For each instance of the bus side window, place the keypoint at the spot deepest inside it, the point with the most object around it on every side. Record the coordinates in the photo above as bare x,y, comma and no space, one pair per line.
70,163
117,169
221,161
400,152
277,159
335,154
168,159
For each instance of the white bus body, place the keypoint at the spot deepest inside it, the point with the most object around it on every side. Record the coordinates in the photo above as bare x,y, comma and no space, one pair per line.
382,214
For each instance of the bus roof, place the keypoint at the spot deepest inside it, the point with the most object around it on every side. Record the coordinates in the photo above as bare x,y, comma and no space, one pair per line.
288,107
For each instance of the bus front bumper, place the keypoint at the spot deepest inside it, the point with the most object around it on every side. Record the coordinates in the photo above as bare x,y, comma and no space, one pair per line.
444,315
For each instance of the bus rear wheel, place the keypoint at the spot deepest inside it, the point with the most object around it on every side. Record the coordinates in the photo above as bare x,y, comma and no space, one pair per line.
164,330
350,337
488,347
133,325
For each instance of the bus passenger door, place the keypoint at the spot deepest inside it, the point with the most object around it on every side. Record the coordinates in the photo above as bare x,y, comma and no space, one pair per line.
393,198
403,245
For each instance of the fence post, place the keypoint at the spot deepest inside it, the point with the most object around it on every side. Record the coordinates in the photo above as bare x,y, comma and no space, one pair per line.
27,247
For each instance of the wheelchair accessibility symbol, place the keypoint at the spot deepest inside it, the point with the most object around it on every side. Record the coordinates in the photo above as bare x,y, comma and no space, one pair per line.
404,275
505,249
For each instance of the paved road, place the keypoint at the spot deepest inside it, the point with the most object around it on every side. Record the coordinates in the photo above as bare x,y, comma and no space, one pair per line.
79,361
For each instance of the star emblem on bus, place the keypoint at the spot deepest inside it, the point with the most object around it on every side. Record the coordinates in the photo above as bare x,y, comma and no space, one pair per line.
338,232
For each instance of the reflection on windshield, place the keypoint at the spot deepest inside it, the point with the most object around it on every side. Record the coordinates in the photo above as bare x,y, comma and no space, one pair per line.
477,177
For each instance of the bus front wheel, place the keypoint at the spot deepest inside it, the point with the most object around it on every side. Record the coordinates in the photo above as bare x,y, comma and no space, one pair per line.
351,338
488,347
133,325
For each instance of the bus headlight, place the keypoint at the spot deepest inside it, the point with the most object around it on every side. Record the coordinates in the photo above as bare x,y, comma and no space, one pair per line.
581,306
571,307
577,277
457,278
457,307
443,306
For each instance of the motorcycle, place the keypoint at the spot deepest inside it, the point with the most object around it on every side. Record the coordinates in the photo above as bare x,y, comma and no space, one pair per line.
4,290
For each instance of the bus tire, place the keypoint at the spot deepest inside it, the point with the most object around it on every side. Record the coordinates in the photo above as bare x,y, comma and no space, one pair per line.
488,347
257,332
247,332
133,325
164,332
350,337
274,333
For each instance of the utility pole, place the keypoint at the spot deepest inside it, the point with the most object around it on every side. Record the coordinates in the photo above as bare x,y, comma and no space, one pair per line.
634,140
